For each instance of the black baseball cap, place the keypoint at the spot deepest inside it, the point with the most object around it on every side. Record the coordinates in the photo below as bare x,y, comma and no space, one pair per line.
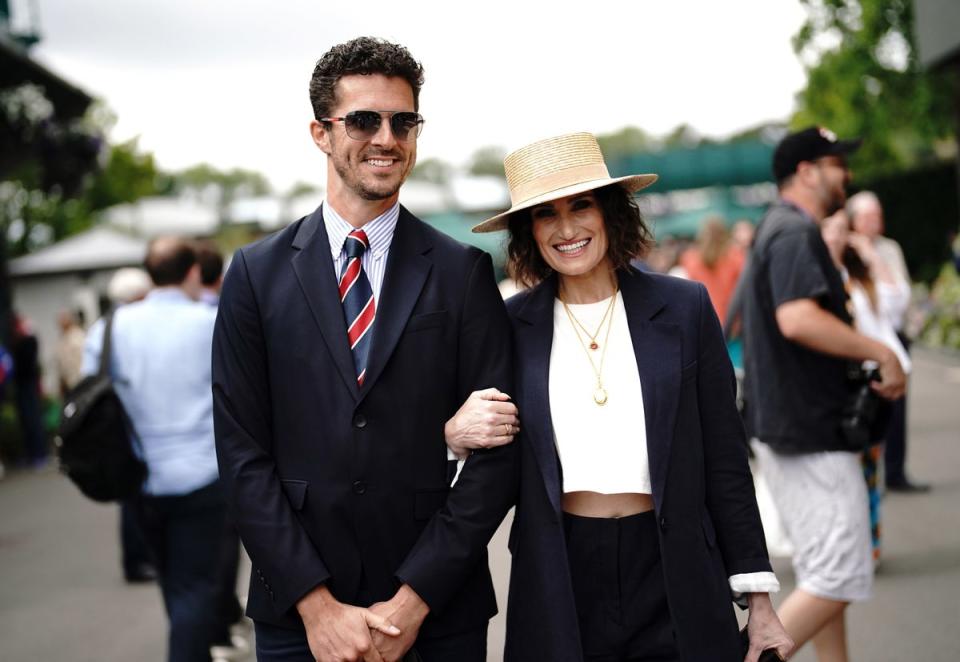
808,145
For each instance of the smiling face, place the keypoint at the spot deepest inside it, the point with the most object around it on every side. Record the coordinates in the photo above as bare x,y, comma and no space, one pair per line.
572,236
364,171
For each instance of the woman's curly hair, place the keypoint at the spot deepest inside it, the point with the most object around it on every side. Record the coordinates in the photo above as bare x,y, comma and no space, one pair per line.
627,234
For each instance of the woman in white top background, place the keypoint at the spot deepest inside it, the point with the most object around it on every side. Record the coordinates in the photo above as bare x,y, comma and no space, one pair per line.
877,297
636,521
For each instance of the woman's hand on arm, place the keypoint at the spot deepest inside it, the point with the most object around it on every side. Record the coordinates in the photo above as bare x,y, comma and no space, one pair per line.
765,629
487,419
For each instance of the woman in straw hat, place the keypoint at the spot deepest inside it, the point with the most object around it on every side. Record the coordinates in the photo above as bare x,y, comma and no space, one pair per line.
636,520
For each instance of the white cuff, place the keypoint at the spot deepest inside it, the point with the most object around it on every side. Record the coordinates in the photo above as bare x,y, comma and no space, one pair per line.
452,456
754,582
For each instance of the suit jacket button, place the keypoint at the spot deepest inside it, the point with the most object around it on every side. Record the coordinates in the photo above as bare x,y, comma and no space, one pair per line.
359,421
663,523
359,487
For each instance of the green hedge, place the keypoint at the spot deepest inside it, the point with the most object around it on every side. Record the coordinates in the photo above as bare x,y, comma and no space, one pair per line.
921,208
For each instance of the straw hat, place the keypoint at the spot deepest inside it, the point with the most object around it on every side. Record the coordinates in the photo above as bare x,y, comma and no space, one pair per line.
555,168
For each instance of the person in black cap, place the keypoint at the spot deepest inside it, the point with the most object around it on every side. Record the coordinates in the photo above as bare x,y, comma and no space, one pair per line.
798,341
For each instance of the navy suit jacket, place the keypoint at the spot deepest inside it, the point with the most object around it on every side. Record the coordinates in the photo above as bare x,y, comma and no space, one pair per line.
349,486
709,525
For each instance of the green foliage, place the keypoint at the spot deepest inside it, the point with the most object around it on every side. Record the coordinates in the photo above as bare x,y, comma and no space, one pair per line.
433,170
864,79
301,188
127,175
942,325
628,140
32,217
487,161
226,185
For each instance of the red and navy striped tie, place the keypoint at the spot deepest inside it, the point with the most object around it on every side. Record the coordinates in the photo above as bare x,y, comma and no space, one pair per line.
356,296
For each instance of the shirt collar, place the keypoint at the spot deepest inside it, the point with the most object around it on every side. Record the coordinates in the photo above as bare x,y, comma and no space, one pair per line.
379,230
168,293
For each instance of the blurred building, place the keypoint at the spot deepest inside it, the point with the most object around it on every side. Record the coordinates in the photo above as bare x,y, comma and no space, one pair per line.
18,144
73,275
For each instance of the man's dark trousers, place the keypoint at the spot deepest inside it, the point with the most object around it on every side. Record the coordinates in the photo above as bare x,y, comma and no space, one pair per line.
277,644
185,533
895,447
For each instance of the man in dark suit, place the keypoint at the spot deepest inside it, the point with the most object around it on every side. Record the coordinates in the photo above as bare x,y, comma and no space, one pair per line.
344,346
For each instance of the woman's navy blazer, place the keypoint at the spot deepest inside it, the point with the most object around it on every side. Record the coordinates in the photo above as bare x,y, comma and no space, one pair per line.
708,521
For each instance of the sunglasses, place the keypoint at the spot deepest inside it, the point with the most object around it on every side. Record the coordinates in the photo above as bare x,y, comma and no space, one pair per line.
365,124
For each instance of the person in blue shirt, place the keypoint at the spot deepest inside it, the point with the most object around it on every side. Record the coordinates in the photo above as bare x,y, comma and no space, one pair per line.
160,364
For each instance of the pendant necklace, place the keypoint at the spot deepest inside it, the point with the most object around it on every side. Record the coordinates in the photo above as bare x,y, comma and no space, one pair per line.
599,393
593,336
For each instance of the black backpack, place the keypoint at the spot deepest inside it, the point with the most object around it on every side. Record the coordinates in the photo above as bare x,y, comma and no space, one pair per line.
96,437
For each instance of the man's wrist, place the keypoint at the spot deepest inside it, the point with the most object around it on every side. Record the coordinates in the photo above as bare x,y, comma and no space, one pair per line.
316,601
407,601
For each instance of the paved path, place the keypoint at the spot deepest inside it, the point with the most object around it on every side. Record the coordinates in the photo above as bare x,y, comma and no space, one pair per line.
62,596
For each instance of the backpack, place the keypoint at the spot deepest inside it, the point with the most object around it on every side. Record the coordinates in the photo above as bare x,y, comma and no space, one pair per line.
96,439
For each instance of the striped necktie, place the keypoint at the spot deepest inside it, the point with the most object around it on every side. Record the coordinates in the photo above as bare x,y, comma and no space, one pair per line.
356,296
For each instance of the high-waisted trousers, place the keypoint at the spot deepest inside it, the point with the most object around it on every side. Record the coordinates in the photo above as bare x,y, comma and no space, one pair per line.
619,589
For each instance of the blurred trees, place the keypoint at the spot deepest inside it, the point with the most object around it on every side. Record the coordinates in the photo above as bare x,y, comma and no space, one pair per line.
223,186
434,170
487,161
864,79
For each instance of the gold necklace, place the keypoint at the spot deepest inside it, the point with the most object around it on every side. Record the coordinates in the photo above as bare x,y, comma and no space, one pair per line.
592,336
599,393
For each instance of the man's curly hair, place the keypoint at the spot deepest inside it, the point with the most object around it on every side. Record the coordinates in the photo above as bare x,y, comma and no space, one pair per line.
628,236
363,55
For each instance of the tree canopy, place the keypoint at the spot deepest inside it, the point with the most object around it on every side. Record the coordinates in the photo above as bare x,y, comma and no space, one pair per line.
864,79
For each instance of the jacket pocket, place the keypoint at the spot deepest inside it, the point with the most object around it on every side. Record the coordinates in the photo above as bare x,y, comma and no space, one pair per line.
296,491
689,372
426,321
427,502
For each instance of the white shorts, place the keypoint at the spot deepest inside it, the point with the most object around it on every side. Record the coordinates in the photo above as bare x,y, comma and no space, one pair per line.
822,502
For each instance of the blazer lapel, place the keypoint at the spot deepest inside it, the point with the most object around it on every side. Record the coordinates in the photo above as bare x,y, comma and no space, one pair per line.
313,266
657,346
534,342
406,273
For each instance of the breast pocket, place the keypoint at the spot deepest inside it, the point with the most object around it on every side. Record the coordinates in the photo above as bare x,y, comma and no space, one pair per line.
437,319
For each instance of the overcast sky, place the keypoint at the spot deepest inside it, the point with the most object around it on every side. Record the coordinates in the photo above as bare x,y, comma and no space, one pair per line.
225,81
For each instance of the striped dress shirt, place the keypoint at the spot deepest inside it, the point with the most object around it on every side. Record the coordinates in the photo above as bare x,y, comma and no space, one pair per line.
379,234
374,260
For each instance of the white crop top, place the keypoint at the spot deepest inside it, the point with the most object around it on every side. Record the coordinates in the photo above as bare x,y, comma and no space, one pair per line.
602,448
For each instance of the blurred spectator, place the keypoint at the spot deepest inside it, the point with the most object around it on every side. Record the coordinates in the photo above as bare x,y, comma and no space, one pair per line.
873,291
161,363
662,257
211,271
127,286
229,611
716,261
866,215
25,350
69,350
798,340
742,234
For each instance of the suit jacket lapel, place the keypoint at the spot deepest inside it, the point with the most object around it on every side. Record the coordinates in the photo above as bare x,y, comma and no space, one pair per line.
535,340
313,266
657,346
406,273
